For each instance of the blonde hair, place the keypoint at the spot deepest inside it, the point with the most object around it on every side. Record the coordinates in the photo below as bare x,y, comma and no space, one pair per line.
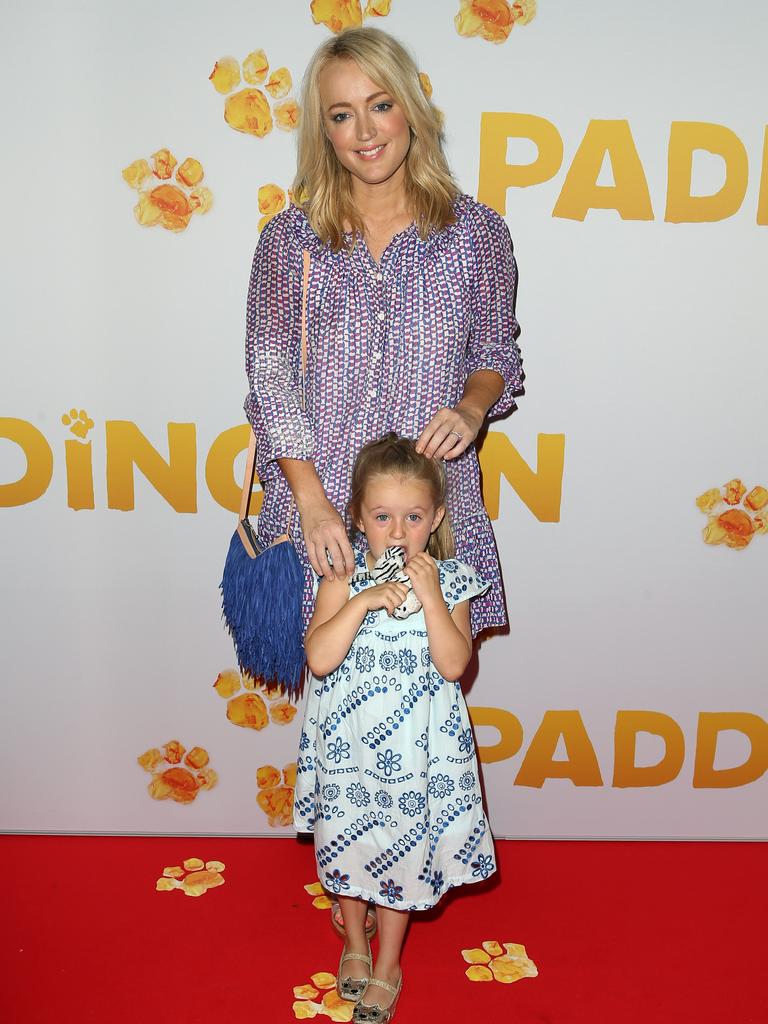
323,185
392,455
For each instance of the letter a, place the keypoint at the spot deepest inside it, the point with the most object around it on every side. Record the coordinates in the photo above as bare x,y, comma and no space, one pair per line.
629,194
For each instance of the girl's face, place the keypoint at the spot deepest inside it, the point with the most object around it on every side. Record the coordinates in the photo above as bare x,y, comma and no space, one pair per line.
398,511
364,124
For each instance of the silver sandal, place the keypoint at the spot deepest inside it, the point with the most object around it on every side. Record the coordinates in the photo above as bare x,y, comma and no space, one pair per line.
374,1014
349,988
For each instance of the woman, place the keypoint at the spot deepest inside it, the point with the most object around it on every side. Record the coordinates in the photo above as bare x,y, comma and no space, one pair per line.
410,319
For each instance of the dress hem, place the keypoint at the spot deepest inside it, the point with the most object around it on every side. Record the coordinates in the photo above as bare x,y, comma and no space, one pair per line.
494,624
380,901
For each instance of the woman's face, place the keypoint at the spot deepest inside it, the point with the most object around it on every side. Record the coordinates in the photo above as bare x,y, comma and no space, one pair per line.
365,126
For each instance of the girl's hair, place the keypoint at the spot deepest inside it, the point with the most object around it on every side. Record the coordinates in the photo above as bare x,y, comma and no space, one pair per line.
323,185
392,455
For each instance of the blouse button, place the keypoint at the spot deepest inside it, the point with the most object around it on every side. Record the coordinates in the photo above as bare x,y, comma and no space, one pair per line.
379,277
382,314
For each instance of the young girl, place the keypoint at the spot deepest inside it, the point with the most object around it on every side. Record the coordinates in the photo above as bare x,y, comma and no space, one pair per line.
387,774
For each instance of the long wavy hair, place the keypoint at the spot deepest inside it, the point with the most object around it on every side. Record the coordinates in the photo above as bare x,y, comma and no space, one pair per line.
392,455
323,187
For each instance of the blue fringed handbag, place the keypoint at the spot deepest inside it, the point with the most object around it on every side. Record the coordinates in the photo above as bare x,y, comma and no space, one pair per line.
262,588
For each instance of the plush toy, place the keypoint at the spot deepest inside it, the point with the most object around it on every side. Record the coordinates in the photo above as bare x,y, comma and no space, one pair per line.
390,568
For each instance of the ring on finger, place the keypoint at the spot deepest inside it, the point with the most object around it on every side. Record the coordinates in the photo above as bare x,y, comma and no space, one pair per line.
456,433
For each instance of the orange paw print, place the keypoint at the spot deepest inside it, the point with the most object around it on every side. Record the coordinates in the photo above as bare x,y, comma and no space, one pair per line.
178,782
271,201
331,1005
249,709
274,799
79,423
493,20
340,14
426,84
168,206
731,525
322,901
492,963
193,878
248,110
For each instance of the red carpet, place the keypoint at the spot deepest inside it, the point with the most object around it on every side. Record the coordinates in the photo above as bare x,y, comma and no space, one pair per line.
668,933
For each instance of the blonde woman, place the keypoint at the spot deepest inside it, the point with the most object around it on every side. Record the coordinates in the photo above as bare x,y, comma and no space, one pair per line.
411,329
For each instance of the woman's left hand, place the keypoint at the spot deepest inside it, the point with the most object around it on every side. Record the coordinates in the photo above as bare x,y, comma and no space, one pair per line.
450,432
421,569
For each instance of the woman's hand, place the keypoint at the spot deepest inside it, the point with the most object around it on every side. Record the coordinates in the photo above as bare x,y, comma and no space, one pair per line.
384,595
324,534
450,432
423,574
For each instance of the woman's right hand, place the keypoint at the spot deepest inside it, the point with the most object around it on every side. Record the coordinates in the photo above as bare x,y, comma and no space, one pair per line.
384,595
324,533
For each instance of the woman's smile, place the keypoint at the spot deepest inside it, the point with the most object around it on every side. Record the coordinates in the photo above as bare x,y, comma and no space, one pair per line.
372,152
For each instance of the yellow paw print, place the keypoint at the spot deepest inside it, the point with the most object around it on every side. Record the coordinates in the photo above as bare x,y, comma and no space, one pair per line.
340,14
331,1005
271,201
178,782
193,878
493,20
168,205
494,963
322,901
274,799
79,423
248,110
249,709
729,525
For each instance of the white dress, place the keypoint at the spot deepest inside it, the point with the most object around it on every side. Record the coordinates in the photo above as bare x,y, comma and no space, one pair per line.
387,773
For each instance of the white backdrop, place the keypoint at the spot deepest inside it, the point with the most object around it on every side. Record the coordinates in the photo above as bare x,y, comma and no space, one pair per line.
643,348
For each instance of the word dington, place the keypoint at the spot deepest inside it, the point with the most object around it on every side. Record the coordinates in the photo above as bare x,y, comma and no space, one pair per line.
175,478
629,194
581,764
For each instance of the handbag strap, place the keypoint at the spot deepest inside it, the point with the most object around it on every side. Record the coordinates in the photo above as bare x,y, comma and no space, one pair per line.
250,465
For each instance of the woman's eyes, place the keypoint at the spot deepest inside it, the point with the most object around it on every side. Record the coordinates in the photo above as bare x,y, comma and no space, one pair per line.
382,108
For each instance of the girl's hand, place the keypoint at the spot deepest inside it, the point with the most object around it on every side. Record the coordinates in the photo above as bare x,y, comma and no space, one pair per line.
384,595
423,574
450,432
324,533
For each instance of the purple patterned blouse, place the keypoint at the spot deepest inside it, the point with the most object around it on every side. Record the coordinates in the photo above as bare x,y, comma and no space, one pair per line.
389,345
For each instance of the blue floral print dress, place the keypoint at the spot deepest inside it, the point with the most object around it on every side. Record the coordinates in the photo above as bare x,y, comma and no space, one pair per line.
387,773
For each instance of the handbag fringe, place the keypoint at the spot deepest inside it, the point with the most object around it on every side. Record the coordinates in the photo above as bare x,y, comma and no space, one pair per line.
261,601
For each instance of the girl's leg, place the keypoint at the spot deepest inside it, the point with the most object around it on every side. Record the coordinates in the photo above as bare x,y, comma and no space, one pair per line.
370,920
354,912
392,926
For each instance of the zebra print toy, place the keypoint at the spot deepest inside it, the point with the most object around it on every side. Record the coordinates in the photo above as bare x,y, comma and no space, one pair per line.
390,568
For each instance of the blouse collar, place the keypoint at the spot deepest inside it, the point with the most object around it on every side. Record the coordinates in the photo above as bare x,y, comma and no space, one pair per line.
435,243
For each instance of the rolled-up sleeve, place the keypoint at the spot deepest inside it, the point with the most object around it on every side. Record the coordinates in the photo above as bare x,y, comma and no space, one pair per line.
495,330
273,350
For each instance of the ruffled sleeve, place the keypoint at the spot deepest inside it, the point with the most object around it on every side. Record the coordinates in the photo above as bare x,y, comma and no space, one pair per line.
495,330
459,582
273,349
